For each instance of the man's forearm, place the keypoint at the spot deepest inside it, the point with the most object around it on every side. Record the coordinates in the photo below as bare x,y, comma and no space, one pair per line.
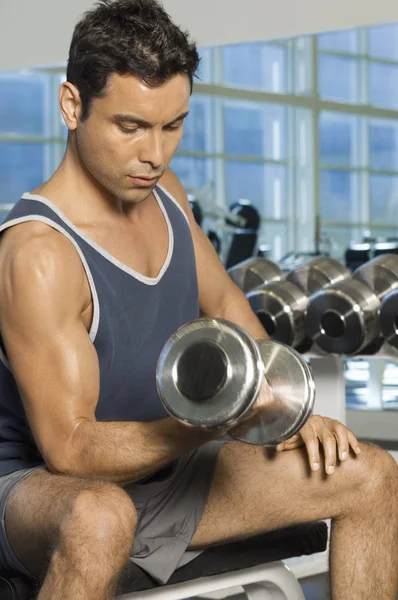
128,451
123,452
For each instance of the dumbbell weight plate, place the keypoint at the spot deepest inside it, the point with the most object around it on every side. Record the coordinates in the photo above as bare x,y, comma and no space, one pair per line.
293,394
389,318
209,373
343,318
255,271
280,306
318,273
380,274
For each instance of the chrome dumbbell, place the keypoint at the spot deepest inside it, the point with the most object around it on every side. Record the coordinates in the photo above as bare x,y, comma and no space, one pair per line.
210,374
389,317
344,318
253,272
281,305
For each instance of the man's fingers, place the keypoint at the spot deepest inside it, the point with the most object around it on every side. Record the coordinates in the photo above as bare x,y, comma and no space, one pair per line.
345,439
353,442
335,438
329,449
325,432
311,442
341,435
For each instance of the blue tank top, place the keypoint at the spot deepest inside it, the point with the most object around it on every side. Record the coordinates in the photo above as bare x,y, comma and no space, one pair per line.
133,317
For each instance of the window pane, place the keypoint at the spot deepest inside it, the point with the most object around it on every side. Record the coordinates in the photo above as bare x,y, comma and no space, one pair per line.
23,104
384,198
205,71
384,234
244,181
383,84
361,394
255,130
383,41
256,65
383,144
338,78
339,195
338,139
302,72
356,377
264,185
341,41
339,238
198,126
390,387
276,201
274,235
22,168
194,173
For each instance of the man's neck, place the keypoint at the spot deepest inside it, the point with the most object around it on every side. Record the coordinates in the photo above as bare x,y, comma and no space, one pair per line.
79,196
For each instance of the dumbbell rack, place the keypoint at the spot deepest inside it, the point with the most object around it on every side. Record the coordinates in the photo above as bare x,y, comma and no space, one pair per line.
330,398
328,371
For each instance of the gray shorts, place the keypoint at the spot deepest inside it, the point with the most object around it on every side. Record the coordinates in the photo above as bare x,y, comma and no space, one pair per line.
168,512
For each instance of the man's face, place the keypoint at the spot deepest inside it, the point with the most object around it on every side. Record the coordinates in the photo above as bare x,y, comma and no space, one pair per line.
132,133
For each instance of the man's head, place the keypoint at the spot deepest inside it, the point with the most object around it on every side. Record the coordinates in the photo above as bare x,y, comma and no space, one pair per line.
129,79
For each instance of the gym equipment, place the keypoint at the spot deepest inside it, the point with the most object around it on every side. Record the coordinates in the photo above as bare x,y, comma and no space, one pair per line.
389,318
344,317
380,274
196,210
242,245
211,372
245,210
357,255
215,240
243,241
264,250
318,273
281,306
253,272
254,564
293,260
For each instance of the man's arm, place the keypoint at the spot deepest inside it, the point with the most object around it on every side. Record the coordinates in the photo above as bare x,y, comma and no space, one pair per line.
43,295
218,294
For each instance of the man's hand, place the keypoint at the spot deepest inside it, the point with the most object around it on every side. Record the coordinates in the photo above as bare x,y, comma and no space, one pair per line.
263,400
335,438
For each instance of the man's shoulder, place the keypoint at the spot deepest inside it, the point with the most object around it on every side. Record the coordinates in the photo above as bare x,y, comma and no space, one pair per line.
33,249
34,238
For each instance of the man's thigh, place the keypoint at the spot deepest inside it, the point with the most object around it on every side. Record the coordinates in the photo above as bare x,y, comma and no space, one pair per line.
255,490
33,514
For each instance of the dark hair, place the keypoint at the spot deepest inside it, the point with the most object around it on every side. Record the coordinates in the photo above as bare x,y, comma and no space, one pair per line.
123,37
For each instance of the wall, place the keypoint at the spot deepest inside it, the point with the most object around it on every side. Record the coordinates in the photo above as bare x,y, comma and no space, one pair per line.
38,32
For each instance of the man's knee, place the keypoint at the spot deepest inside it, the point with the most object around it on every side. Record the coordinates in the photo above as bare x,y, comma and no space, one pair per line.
373,475
380,468
100,517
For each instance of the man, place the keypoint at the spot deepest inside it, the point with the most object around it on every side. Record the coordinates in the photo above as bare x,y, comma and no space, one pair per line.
99,266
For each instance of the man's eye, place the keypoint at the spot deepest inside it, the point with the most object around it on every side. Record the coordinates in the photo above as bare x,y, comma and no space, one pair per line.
128,129
173,127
